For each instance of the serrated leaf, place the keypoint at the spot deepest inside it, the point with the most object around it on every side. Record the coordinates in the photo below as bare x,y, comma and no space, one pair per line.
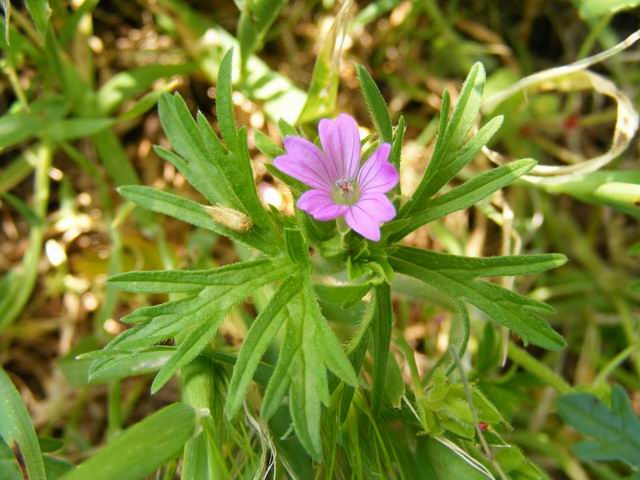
223,176
195,318
472,267
179,281
189,347
376,105
262,332
451,135
309,348
467,108
461,158
326,342
616,431
132,455
279,382
192,157
463,196
305,406
504,306
18,432
139,363
194,213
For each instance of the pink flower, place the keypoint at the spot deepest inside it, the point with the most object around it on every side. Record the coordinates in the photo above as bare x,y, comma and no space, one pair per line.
340,185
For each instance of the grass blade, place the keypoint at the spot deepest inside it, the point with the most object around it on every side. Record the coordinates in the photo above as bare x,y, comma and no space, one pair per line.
131,455
17,430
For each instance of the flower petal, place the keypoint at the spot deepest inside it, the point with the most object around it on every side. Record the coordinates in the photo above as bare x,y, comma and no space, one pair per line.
320,205
306,163
340,141
378,175
378,206
362,222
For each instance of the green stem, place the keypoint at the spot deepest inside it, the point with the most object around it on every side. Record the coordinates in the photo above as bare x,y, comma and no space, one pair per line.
25,278
538,369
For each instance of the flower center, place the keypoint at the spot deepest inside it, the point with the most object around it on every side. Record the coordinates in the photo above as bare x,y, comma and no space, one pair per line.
345,191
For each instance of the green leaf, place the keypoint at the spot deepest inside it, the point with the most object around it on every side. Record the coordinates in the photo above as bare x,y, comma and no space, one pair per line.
345,295
381,334
322,94
461,158
295,246
18,432
266,145
463,196
195,214
125,85
616,431
450,462
180,281
132,455
396,148
451,136
305,402
619,189
223,177
280,379
467,108
462,335
286,129
114,158
14,128
504,306
308,379
195,318
40,12
255,19
309,348
594,9
327,344
190,346
470,267
262,332
140,363
6,8
376,105
193,158
236,168
224,102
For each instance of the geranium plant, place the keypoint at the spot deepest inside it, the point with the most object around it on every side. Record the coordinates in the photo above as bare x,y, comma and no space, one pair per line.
343,246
